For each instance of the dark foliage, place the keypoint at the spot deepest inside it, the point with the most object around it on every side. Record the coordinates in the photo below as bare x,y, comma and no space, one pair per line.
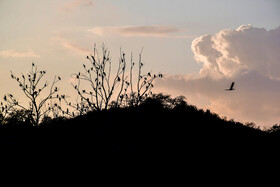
159,125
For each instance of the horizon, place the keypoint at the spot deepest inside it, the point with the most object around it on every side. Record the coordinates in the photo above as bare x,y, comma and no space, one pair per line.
200,47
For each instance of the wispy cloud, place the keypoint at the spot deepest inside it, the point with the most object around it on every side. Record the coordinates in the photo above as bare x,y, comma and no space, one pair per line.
75,47
70,45
16,54
67,7
146,30
143,30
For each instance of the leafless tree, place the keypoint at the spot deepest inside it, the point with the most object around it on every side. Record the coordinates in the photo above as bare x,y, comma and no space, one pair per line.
97,85
143,87
32,88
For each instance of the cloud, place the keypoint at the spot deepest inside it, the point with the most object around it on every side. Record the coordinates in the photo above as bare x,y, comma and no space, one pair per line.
72,5
144,30
250,57
16,54
256,98
75,48
233,52
68,44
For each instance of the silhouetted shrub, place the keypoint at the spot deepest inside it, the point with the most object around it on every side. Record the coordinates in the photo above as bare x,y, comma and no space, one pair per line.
18,119
32,88
275,129
1,118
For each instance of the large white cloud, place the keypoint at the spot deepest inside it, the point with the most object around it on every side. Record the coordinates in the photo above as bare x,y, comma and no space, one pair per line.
250,57
233,52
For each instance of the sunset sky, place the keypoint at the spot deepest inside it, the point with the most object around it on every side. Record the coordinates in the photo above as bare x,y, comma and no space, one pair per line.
200,46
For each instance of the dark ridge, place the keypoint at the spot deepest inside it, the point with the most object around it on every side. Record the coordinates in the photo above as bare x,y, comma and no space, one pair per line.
159,125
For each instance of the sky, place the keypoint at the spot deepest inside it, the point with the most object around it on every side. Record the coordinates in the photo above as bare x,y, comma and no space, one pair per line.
200,46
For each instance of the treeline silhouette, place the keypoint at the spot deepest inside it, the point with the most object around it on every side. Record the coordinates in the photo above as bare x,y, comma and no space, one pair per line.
159,123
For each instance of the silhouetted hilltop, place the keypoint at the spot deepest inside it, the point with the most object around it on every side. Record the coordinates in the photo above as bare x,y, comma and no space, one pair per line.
159,124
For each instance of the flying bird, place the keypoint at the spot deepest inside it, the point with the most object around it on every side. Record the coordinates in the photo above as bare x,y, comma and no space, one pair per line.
231,87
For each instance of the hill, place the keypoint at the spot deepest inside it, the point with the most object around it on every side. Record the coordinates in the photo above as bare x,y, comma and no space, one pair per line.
159,125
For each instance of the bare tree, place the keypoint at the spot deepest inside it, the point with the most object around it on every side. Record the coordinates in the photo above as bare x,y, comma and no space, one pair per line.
32,89
98,84
143,87
144,83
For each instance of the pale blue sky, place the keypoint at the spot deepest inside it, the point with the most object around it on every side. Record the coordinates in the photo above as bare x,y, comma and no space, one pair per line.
60,31
218,14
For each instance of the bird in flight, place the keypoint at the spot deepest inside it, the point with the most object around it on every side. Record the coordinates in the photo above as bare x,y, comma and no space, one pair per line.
231,87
